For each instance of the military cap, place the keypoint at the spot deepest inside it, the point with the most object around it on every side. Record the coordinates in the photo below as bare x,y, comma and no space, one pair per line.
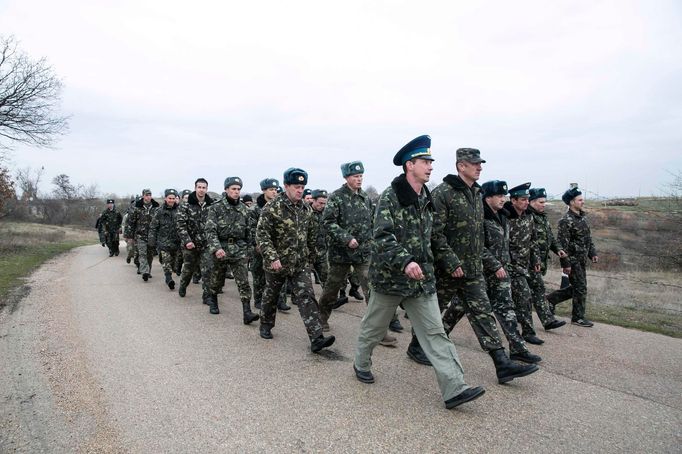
186,192
110,200
419,147
537,193
231,181
247,198
520,190
268,183
494,187
317,193
280,189
146,191
307,192
472,155
570,195
294,175
352,168
168,192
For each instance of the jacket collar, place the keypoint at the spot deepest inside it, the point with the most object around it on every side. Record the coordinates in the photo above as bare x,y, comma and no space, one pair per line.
192,200
500,217
457,183
512,212
532,210
260,201
349,191
140,203
405,193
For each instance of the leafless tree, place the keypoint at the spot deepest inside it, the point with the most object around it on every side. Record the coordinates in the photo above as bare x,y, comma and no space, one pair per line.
28,181
64,189
90,192
30,93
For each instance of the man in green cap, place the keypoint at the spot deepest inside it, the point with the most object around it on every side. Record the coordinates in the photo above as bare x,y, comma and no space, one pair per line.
139,222
163,235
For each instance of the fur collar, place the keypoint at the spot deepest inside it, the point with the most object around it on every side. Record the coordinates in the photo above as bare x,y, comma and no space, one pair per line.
456,182
192,200
140,203
405,193
260,201
500,217
512,214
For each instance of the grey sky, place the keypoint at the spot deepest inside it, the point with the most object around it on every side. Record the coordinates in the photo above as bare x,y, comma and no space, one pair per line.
551,92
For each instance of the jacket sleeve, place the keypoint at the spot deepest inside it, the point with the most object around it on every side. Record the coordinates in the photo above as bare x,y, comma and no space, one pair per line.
311,239
131,225
563,238
181,224
211,230
330,217
264,230
443,254
388,249
154,229
534,246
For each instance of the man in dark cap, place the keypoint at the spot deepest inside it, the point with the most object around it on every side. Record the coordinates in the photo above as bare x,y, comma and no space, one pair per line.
575,238
184,196
139,222
229,231
131,249
402,272
163,235
321,265
110,223
348,219
308,196
247,200
546,242
496,266
459,216
286,236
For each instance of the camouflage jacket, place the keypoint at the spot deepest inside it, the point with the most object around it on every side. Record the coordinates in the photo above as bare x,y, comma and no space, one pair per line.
575,239
545,237
496,229
229,227
459,209
403,233
321,243
348,215
191,220
287,232
523,247
140,219
163,232
111,220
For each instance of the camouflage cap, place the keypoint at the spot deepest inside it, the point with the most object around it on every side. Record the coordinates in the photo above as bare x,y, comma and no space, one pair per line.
472,155
294,175
352,168
317,193
232,181
570,195
419,147
494,187
268,183
146,191
171,191
537,193
520,190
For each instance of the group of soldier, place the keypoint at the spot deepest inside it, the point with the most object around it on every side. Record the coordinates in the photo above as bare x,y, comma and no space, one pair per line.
463,249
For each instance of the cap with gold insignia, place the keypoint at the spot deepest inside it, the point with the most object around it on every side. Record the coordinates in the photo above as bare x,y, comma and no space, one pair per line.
317,193
268,183
168,192
520,190
294,175
494,187
232,181
472,155
146,191
307,192
570,195
110,200
352,168
537,193
419,147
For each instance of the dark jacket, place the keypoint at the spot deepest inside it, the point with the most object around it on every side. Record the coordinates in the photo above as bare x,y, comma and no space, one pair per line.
348,215
523,248
496,239
140,219
191,220
575,238
163,232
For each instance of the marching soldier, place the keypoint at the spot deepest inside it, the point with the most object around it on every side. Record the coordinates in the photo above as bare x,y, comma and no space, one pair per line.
110,221
131,249
139,222
163,235
321,265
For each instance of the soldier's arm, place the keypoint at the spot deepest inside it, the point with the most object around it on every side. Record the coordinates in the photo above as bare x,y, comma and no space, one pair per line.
553,243
534,247
211,230
563,239
388,249
263,236
313,230
592,252
181,224
130,225
330,217
443,254
154,230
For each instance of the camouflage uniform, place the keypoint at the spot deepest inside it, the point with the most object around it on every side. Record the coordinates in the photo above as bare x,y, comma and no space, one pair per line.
524,257
257,265
348,215
131,248
191,222
575,239
163,235
139,222
321,264
499,290
100,231
287,232
111,220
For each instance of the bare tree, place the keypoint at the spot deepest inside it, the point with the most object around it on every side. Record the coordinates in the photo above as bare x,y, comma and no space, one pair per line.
30,94
90,192
64,189
28,181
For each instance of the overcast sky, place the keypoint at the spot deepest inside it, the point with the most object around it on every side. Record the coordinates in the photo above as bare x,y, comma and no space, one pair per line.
162,92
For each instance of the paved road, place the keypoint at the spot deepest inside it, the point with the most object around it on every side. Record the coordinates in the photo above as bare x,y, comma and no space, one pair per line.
94,359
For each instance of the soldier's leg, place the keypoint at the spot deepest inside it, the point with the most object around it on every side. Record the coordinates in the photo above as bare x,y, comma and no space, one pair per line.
522,296
206,266
334,282
373,327
240,272
190,263
304,297
136,256
130,250
578,279
273,285
473,296
537,289
499,293
166,259
446,289
559,296
179,259
144,256
116,240
258,279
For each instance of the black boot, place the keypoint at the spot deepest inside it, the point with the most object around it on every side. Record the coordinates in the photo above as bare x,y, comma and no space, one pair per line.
169,280
257,304
265,331
341,300
525,357
416,353
145,277
321,342
355,293
249,317
282,303
508,370
213,304
395,326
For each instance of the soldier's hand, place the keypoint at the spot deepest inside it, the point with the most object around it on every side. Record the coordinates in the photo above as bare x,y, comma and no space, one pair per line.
562,254
459,272
595,259
537,268
414,271
566,270
189,245
500,274
276,265
353,244
220,253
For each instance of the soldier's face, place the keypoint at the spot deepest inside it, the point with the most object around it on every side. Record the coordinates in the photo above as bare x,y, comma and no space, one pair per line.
420,169
578,202
170,200
233,191
201,189
319,203
294,191
354,181
520,203
539,204
147,198
496,202
185,198
270,193
110,206
308,199
469,170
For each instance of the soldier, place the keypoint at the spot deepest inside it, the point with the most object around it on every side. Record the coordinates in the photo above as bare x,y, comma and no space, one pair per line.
498,261
191,222
247,200
575,238
286,236
402,272
184,195
546,243
138,225
100,231
163,235
229,231
348,219
321,265
459,215
525,259
131,249
308,196
111,221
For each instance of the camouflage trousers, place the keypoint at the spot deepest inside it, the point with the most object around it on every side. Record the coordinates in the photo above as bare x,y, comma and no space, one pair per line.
336,280
111,239
542,307
472,300
194,260
521,295
321,267
168,260
303,297
131,251
576,291
258,275
146,256
239,270
177,267
102,236
500,295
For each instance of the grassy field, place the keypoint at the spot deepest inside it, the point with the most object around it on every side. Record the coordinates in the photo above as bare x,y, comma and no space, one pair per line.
25,246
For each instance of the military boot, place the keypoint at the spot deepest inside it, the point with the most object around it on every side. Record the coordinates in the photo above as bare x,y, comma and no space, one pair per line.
321,342
257,303
182,291
355,293
249,317
341,300
416,353
169,280
213,304
282,302
508,370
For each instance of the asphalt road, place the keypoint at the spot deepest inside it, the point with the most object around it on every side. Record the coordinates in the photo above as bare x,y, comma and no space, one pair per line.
96,360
